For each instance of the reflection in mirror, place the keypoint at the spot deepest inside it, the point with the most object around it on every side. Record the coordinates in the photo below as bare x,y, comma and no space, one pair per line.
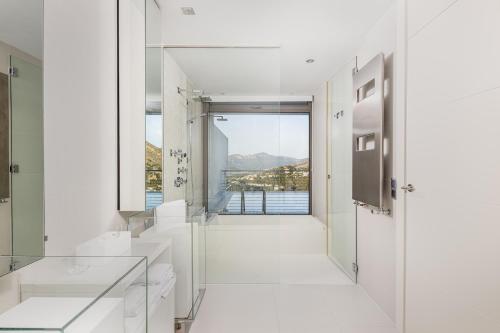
21,128
154,129
9,264
154,115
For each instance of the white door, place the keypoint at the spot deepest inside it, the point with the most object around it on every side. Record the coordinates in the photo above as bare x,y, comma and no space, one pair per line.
453,160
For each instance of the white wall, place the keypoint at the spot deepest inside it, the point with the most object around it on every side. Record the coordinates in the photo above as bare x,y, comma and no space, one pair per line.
452,225
261,249
174,119
132,105
80,121
319,154
377,233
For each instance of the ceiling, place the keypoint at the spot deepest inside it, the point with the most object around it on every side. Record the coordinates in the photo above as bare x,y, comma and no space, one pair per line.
329,31
21,25
221,71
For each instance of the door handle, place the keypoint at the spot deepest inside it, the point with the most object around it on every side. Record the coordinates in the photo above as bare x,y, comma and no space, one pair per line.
3,200
409,188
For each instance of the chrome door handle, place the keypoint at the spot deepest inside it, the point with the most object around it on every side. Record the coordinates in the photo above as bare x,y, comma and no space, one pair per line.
408,188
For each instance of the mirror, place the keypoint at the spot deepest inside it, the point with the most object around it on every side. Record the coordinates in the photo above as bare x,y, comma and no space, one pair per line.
21,128
154,107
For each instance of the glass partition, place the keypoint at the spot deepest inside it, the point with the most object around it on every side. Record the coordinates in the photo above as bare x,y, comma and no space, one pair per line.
341,210
26,96
76,294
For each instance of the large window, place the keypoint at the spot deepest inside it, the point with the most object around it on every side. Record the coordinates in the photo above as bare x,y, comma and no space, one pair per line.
260,163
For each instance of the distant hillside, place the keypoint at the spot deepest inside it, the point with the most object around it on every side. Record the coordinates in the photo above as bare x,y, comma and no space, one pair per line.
153,166
153,157
261,161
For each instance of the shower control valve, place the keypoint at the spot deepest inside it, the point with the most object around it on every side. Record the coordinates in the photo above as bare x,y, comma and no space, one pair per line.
177,153
179,181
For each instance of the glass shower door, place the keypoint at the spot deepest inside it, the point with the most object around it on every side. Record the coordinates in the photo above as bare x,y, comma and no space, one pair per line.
26,95
341,210
194,196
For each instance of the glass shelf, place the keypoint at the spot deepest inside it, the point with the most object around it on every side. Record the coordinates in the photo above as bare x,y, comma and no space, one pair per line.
73,294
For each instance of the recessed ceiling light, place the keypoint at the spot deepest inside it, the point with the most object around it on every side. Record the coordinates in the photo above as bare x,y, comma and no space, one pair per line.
310,60
188,11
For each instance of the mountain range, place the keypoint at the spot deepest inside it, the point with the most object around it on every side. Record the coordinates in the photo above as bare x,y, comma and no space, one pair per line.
261,161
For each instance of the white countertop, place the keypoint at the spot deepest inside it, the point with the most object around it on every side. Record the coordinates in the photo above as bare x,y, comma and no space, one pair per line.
56,312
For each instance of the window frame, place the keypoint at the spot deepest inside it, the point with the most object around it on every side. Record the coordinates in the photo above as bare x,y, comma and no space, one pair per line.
283,108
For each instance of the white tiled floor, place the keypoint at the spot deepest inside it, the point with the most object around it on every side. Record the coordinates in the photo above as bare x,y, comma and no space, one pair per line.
310,269
301,303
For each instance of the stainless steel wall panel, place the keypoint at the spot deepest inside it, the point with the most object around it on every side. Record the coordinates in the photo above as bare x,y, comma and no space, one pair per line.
368,133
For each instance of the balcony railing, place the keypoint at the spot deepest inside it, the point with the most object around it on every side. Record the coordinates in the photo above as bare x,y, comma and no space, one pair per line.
263,202
243,194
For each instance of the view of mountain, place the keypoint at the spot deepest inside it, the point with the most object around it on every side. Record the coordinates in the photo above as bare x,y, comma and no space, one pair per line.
261,161
153,157
153,168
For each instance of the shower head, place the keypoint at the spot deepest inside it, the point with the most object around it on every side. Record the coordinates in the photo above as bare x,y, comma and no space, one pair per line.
216,117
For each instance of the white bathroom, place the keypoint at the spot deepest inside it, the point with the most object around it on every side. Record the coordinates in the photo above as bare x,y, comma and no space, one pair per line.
233,166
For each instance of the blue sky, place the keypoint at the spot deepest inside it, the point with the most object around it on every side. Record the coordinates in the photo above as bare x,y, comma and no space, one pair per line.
285,135
154,130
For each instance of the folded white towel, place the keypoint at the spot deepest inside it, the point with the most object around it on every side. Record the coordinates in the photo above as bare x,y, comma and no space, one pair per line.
135,301
157,274
155,293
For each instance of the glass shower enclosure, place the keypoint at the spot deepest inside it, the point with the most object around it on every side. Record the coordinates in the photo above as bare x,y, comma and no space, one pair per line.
341,209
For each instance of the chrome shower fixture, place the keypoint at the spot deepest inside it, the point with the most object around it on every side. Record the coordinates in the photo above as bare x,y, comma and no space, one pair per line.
177,153
217,117
195,92
179,181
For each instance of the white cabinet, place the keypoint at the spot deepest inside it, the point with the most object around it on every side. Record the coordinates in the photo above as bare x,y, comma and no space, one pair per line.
132,100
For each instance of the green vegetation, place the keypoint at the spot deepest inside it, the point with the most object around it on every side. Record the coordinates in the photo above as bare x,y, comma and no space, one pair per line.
154,168
283,178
